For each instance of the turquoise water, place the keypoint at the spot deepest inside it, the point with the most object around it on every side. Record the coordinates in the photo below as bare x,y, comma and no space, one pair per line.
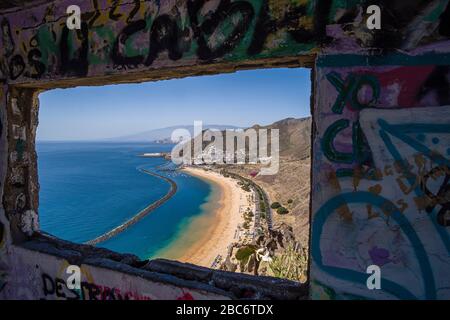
87,189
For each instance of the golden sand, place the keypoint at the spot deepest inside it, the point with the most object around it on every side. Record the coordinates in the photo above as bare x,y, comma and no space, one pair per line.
213,233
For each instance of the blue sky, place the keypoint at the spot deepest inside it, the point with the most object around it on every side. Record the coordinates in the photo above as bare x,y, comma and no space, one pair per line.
242,99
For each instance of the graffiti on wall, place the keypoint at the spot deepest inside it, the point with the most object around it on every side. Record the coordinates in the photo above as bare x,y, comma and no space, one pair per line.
3,226
126,36
381,190
380,178
2,266
39,276
117,36
56,288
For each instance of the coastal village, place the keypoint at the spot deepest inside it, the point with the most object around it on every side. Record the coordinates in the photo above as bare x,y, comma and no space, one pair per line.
266,230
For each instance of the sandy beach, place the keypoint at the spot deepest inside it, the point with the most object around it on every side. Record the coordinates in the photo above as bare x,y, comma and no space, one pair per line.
222,231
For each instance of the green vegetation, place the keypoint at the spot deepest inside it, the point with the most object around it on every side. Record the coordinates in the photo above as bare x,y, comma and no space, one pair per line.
244,185
292,265
282,210
247,185
262,201
262,206
275,205
248,215
244,253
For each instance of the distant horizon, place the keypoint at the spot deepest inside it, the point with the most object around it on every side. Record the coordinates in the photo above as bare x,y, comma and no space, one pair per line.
96,140
111,139
241,99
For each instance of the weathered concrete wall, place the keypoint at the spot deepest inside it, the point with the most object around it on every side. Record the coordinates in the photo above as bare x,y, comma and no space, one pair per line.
380,176
127,37
120,37
43,276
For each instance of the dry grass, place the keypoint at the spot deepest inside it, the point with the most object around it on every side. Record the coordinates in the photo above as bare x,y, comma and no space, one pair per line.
291,182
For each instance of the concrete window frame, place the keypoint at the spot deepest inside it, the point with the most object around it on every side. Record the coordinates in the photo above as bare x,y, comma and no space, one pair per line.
21,189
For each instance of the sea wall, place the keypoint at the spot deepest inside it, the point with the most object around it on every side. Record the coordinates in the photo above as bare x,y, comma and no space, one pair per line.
379,192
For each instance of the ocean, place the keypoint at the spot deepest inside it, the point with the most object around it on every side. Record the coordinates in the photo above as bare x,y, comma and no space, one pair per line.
88,188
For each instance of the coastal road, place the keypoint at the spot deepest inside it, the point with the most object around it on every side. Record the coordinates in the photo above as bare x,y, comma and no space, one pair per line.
141,214
268,211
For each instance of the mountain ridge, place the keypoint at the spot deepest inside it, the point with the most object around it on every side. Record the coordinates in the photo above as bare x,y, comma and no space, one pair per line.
164,134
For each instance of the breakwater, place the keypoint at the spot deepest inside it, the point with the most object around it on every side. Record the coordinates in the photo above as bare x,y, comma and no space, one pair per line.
141,214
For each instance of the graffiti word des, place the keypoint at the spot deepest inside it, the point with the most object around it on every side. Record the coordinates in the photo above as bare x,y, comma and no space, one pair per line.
57,288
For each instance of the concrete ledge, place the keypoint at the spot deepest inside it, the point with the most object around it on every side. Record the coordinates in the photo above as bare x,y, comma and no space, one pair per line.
229,284
240,285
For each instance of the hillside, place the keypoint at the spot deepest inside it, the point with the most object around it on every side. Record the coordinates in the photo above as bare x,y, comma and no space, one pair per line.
294,139
295,136
287,242
292,182
163,135
290,187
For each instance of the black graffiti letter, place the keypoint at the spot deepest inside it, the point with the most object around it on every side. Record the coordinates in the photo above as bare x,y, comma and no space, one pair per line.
137,6
16,67
33,59
48,284
117,55
8,42
165,35
112,14
266,25
225,10
76,66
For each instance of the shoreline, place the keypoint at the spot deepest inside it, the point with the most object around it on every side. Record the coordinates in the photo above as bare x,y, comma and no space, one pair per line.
219,229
